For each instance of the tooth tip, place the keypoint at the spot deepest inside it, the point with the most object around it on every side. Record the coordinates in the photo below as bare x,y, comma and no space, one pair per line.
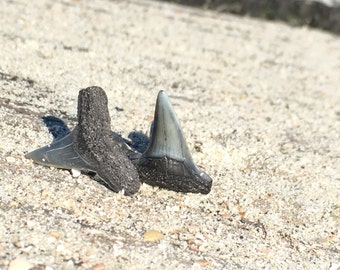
28,155
163,101
161,94
37,155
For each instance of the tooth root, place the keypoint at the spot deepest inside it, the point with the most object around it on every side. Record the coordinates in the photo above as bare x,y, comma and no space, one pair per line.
167,162
60,154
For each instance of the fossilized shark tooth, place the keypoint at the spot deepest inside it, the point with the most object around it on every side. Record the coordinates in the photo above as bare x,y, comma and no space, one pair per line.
56,127
167,162
61,154
92,147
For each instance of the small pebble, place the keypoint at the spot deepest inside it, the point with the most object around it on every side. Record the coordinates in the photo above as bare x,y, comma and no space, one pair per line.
153,236
98,266
44,194
20,263
75,173
202,262
30,223
14,204
55,235
10,159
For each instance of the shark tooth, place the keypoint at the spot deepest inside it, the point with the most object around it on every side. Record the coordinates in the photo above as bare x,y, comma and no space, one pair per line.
60,154
91,146
167,162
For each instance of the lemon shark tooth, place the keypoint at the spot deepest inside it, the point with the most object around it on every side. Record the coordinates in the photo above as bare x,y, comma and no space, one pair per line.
167,162
91,147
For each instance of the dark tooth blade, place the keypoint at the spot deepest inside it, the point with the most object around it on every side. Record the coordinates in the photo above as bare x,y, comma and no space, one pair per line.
60,154
167,162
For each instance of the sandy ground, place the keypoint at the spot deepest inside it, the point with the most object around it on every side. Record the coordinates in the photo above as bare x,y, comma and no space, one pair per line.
259,104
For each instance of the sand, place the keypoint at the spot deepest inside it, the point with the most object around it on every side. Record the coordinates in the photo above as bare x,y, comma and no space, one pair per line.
259,104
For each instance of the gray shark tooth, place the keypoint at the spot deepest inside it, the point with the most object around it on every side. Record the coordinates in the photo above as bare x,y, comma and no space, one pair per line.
60,154
167,162
94,147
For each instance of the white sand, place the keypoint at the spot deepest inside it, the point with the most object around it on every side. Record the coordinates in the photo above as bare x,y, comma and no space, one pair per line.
259,104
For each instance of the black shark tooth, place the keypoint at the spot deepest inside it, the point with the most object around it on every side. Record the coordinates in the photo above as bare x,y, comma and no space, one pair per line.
167,162
92,147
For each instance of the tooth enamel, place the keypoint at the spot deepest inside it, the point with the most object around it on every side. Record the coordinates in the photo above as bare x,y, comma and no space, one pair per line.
167,137
167,162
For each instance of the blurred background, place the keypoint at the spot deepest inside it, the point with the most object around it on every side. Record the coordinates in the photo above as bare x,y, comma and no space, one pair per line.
322,14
